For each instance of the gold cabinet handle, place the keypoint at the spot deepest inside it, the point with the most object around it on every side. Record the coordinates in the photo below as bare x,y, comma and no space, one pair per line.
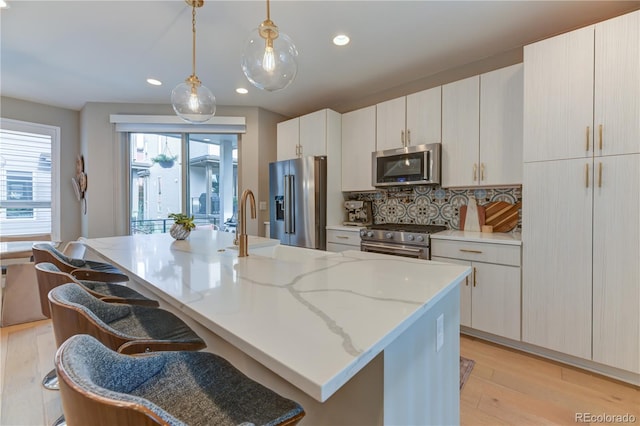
408,137
470,251
588,138
475,172
402,137
342,237
475,273
481,171
599,175
600,137
586,174
466,280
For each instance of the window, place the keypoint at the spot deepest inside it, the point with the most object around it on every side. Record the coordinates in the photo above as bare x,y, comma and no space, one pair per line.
157,168
27,179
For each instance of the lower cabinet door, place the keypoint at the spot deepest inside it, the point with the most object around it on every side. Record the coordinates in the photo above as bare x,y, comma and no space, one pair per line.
465,291
495,301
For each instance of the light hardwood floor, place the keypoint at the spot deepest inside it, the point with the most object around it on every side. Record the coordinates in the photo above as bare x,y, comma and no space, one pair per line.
505,386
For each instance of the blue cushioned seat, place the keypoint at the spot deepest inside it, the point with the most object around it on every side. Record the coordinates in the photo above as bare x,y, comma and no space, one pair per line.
123,327
168,388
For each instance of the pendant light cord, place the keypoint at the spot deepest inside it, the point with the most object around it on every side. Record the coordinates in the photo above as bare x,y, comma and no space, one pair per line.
193,28
268,12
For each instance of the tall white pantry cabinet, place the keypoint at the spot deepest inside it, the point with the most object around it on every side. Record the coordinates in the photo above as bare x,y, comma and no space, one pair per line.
581,192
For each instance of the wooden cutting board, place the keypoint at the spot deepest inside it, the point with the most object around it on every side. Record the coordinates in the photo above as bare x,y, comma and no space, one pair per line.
501,215
463,216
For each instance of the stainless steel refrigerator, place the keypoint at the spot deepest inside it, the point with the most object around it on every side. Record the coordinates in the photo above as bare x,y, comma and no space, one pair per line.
298,201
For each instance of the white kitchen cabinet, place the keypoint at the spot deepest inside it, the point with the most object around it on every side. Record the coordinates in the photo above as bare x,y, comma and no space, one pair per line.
581,214
482,129
309,135
460,132
409,120
617,85
558,91
501,103
490,298
556,240
358,142
424,116
288,139
342,238
616,262
563,90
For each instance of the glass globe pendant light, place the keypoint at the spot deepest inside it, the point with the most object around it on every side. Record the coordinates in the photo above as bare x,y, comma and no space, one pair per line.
269,57
192,101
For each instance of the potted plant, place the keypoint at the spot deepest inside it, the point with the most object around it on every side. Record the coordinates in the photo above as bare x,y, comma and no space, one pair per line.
165,161
182,225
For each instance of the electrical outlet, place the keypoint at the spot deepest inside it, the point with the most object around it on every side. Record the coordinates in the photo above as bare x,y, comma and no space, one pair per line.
262,205
439,332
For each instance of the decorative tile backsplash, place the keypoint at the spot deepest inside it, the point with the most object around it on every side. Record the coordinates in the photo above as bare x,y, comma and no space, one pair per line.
430,205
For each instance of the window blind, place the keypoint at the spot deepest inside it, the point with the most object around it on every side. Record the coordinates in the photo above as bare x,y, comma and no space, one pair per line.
25,183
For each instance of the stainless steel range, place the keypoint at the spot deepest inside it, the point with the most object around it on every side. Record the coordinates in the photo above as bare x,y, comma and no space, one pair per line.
400,239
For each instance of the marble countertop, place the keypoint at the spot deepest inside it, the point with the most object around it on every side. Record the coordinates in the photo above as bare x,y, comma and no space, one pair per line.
315,318
511,238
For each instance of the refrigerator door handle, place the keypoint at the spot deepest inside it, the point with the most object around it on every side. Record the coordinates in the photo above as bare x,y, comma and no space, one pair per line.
287,203
292,202
289,217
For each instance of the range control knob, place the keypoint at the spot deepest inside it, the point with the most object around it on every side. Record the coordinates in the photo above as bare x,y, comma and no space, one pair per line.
410,237
370,234
420,238
363,233
388,235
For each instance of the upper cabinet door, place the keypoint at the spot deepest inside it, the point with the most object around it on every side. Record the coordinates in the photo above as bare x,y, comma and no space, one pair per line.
424,117
390,124
358,142
617,85
288,136
460,132
313,134
501,126
558,92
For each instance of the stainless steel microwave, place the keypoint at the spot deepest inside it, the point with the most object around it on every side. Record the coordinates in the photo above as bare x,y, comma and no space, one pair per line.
411,165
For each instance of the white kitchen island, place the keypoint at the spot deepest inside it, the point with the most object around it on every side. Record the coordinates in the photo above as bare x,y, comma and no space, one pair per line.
351,336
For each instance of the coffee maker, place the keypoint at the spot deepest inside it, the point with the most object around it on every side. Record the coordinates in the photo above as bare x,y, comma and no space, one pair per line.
359,213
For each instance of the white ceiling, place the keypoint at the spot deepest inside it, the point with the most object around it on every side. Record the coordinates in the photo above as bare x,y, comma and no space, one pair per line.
67,53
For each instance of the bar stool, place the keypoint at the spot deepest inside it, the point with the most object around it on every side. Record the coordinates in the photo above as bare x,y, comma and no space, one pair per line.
79,268
169,388
124,328
49,277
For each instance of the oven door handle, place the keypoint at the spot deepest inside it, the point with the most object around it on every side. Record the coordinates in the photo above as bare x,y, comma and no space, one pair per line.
381,248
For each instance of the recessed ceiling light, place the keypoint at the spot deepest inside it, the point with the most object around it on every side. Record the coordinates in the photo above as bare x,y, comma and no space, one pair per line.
341,40
242,90
154,82
3,4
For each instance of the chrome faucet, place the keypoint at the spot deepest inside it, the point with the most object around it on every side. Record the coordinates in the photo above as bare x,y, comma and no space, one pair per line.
241,239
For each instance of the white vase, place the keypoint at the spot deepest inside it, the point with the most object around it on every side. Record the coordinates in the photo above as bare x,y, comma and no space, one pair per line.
179,232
